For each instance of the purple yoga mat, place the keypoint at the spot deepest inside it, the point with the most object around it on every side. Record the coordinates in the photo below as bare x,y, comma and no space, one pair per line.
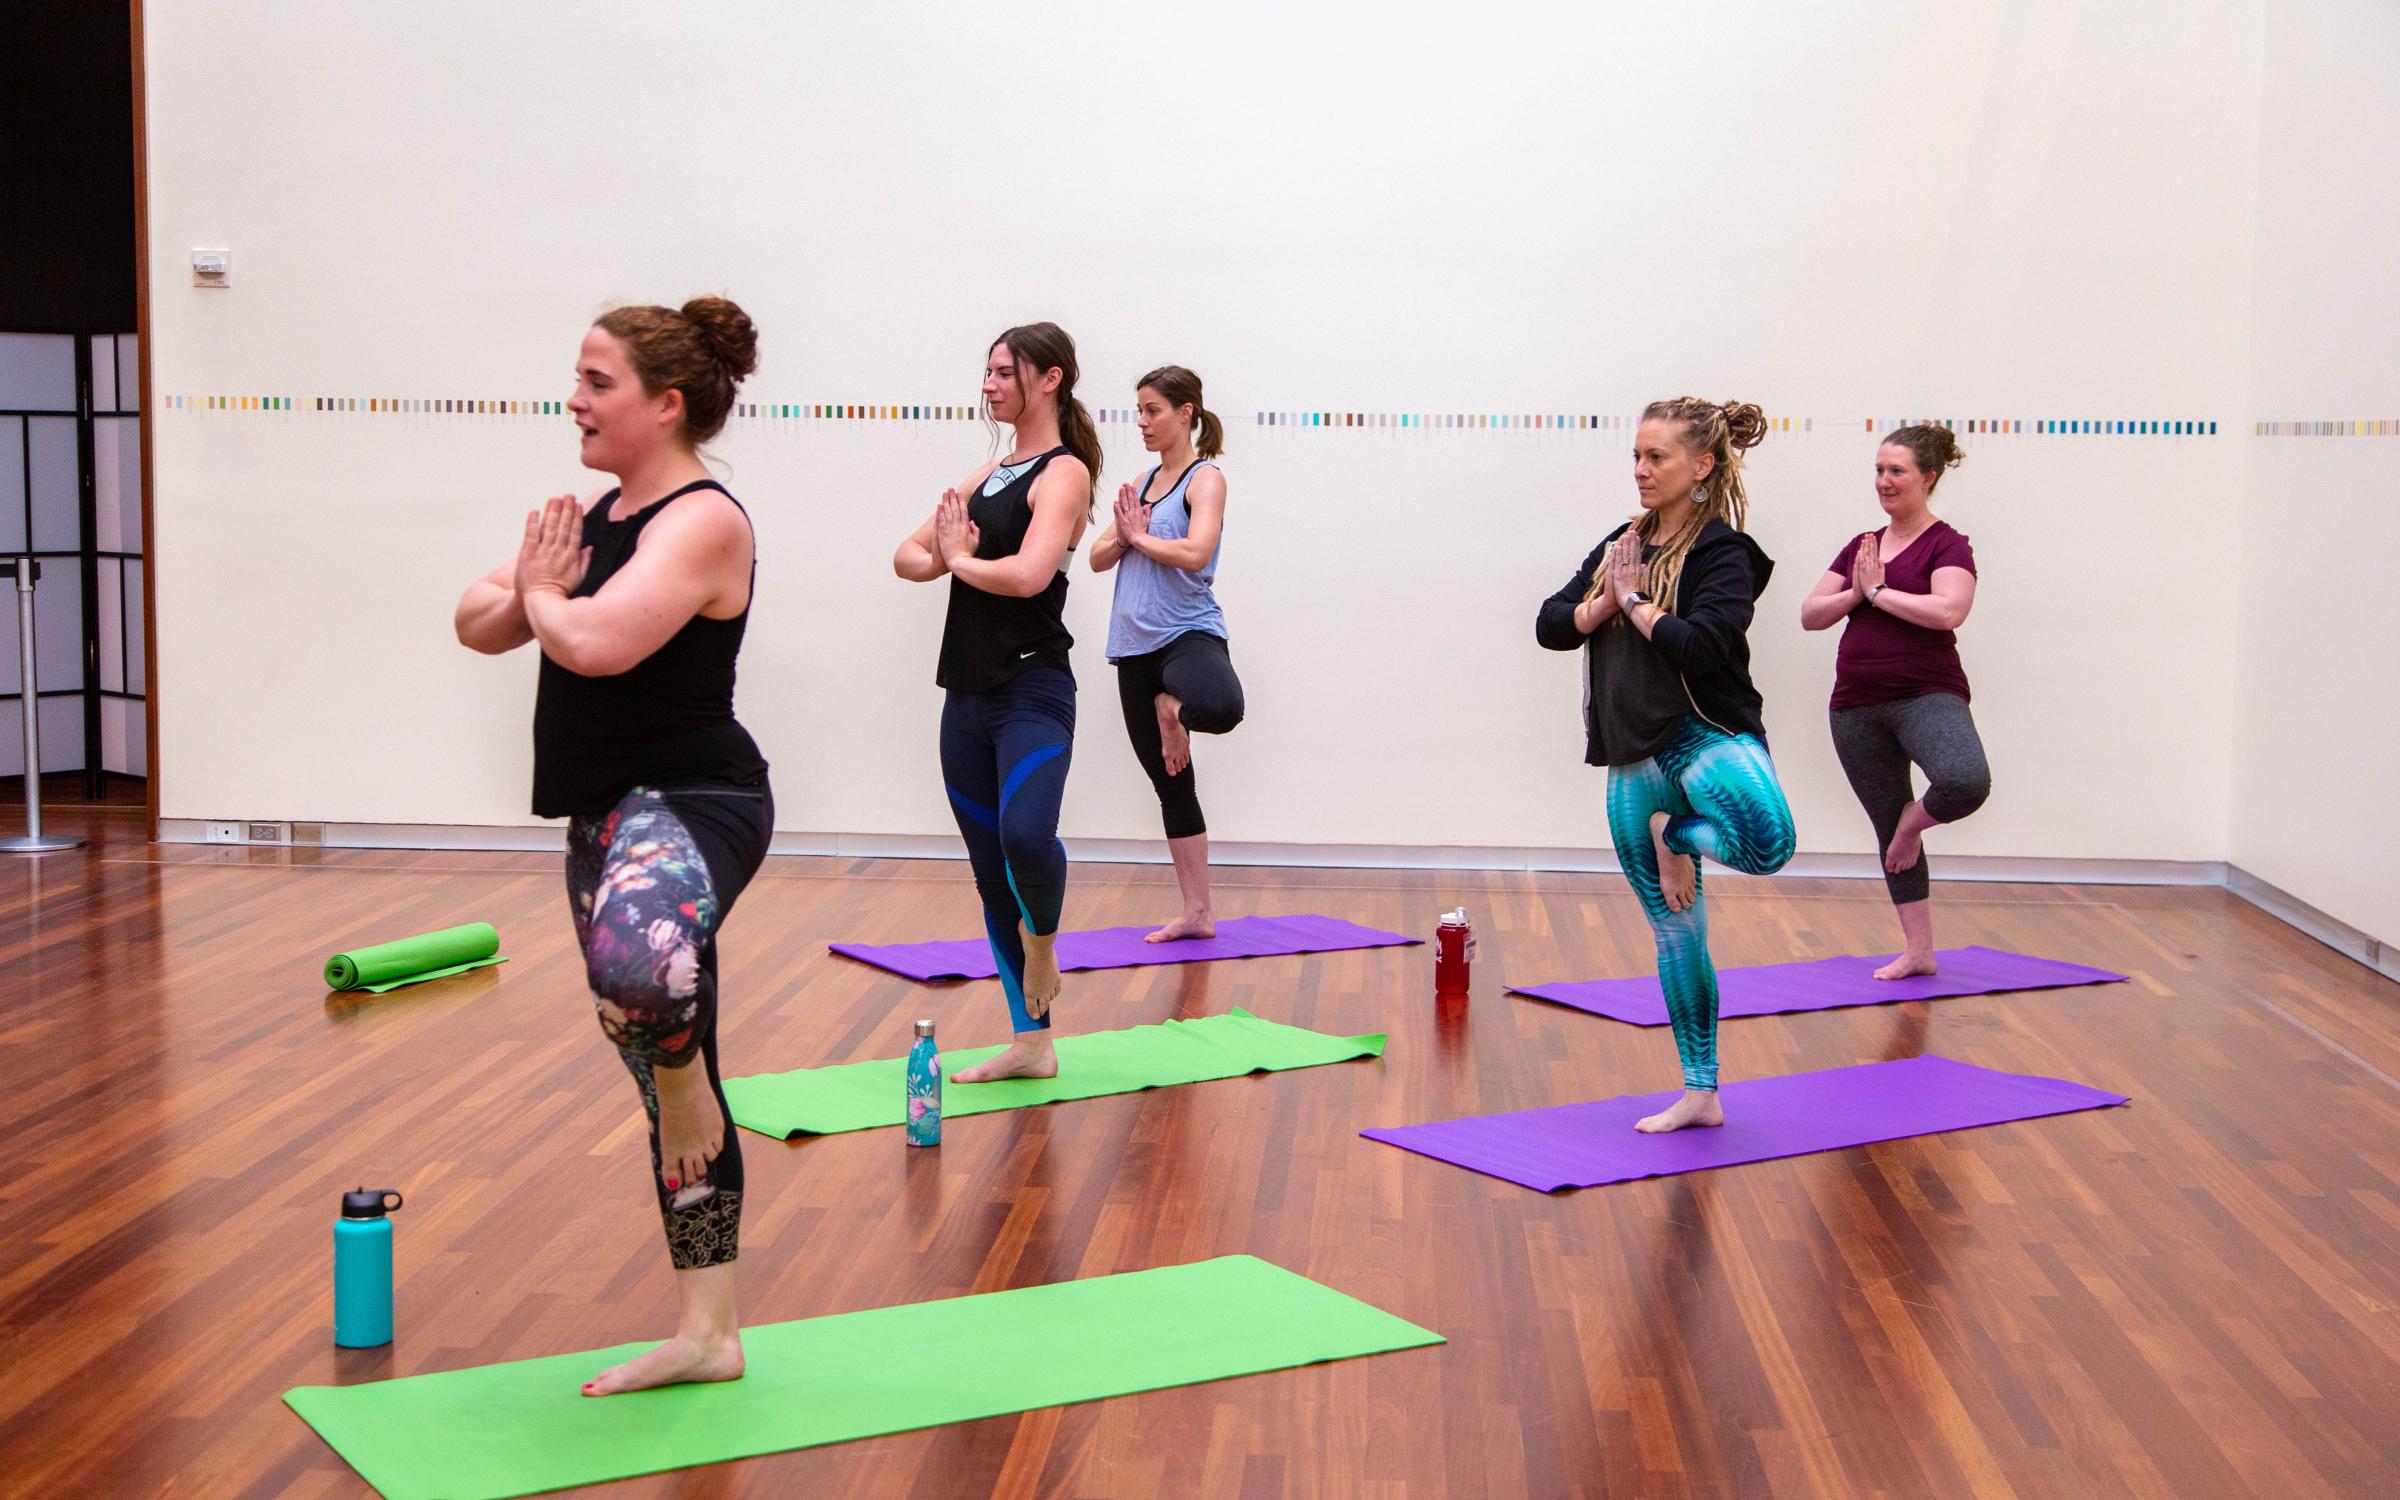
1825,984
1586,1145
1124,948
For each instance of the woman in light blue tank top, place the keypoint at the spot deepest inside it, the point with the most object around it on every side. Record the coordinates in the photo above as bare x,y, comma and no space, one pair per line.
1166,634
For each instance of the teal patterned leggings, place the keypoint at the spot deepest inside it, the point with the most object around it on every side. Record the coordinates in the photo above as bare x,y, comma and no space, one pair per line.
1724,802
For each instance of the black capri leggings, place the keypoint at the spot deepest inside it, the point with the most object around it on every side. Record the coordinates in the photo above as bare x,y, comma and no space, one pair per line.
1876,745
1197,669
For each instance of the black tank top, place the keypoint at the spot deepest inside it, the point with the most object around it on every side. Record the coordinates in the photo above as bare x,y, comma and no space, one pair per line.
668,722
989,638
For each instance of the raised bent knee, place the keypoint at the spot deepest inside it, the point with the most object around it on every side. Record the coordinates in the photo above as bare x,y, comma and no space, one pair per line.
1948,801
1205,716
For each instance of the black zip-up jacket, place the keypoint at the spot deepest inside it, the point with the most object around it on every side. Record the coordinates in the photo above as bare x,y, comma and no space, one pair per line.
1705,640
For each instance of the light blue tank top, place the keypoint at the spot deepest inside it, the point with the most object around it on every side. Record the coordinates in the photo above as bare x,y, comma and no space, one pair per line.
1154,602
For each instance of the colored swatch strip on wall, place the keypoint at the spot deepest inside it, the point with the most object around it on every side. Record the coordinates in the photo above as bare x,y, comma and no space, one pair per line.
2052,427
2372,427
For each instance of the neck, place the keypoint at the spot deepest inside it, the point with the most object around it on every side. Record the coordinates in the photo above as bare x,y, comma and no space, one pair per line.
1672,518
1177,456
657,475
1036,432
1911,523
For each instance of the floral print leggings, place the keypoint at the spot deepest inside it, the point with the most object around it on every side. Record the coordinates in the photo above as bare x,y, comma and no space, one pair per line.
649,883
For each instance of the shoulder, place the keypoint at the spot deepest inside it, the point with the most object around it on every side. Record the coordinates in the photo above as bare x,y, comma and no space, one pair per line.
1208,483
1064,474
1717,539
703,519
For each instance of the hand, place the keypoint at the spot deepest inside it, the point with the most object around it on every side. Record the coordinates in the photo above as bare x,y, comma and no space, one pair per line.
954,531
552,557
1866,569
1626,571
1132,516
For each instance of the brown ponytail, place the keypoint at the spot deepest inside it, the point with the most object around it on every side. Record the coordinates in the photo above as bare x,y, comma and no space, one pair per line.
1178,386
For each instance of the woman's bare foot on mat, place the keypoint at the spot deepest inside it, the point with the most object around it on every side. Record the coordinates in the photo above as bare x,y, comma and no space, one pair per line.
678,1361
691,1129
1908,966
1908,840
1678,874
1029,1056
1174,741
1192,924
1696,1107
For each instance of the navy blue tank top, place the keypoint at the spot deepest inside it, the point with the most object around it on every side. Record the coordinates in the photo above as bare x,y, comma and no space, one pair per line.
666,723
988,639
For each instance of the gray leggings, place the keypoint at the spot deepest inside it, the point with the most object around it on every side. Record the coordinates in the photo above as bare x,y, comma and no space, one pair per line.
1877,743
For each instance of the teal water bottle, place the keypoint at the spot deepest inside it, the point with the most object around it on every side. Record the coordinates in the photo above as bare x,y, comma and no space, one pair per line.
924,1089
362,1269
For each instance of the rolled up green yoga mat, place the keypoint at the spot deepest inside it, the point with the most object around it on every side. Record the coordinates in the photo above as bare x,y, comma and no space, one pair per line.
413,960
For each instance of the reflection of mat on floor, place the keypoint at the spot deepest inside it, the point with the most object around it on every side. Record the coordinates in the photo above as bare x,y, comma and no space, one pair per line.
1586,1145
517,1429
860,1095
1126,947
1825,984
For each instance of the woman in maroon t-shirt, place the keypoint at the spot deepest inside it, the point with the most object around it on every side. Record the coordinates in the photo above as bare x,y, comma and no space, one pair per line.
1899,693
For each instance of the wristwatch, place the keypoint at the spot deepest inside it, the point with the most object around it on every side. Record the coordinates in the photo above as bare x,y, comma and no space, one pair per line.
1877,589
1636,597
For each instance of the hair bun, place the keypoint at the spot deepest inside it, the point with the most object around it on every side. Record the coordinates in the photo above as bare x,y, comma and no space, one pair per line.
730,334
1745,424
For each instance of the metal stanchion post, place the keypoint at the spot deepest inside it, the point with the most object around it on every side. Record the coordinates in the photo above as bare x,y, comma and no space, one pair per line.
28,572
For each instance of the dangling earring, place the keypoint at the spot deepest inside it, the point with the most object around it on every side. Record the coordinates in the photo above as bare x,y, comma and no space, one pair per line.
1699,494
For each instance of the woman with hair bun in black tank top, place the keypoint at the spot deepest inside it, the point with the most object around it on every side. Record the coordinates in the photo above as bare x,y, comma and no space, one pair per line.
639,600
1008,720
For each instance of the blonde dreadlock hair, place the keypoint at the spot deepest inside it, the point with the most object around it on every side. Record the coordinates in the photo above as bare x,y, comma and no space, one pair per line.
1726,431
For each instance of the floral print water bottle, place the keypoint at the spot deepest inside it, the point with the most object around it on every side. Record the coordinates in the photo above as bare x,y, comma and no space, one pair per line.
924,1089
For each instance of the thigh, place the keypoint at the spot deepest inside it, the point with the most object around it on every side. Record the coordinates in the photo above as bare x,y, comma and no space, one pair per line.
1730,781
656,879
1198,668
970,759
731,827
1635,794
1035,738
1872,757
1138,687
1937,731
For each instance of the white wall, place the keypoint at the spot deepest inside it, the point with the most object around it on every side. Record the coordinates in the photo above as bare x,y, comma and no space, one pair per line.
1979,211
2317,701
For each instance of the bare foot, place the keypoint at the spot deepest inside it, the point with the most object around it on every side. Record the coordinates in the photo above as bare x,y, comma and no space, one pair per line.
1174,741
1696,1107
1192,924
1908,840
1678,874
1908,966
691,1129
678,1361
1041,972
1029,1056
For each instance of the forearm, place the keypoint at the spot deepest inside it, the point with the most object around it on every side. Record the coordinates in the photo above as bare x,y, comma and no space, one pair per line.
1822,611
1929,610
1596,611
1007,576
1181,552
563,626
491,620
1107,550
917,563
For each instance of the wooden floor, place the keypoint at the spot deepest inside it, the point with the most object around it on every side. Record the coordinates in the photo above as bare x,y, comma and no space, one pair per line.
2195,1296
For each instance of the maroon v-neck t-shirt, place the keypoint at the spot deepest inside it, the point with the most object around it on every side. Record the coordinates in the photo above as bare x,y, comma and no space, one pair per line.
1883,658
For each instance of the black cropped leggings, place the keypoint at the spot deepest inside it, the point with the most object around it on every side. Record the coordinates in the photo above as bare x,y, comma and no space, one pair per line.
1876,745
649,883
1197,669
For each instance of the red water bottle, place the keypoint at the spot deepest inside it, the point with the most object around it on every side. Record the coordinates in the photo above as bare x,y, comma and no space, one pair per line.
1453,951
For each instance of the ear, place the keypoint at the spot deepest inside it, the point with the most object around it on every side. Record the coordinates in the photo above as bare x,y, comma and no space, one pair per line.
1707,466
670,407
1052,379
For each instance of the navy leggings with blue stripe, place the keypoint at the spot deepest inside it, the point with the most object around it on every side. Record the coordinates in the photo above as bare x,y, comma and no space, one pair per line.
1004,760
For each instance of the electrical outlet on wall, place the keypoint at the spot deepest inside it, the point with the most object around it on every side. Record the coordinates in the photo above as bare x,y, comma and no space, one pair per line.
308,833
267,833
224,833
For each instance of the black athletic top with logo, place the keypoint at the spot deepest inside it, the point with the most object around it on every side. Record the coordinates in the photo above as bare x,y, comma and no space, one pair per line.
667,722
988,639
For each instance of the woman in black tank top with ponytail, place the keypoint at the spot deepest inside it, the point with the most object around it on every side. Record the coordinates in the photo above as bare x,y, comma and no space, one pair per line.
1008,723
639,600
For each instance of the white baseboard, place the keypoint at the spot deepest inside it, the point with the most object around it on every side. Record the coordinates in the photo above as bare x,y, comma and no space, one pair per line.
2334,933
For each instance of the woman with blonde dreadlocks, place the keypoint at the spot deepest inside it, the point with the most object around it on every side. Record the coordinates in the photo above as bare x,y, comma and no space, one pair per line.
1662,609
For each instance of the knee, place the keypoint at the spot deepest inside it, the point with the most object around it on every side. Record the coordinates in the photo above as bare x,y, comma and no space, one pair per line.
1212,715
1028,844
650,1003
1779,850
1958,796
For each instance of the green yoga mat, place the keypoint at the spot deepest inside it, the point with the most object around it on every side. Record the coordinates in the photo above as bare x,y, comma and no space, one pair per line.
517,1429
862,1095
428,955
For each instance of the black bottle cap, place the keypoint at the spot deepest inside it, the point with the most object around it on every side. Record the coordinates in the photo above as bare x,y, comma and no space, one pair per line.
363,1204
